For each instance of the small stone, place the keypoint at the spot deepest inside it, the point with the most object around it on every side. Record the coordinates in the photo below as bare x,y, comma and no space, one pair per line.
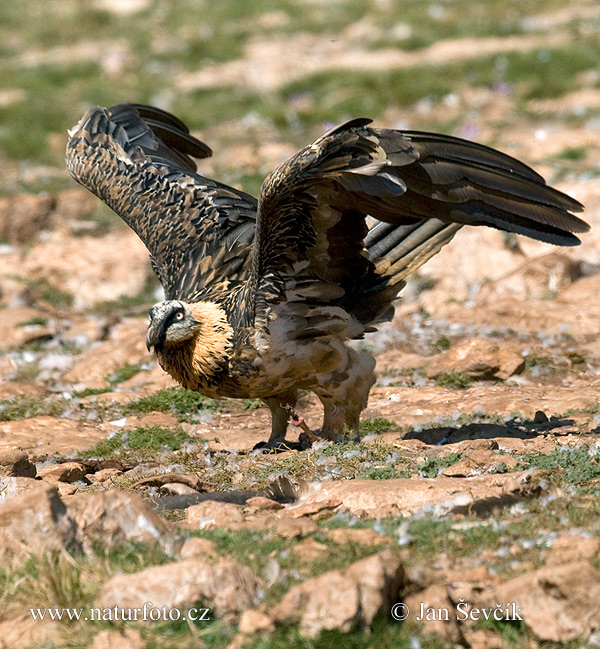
366,536
295,527
65,472
196,548
103,476
15,463
309,550
212,513
254,621
262,503
478,358
176,489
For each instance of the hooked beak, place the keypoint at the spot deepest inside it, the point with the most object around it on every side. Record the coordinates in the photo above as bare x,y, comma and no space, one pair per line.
155,336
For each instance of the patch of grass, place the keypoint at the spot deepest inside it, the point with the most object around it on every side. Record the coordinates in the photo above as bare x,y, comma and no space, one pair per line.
80,394
433,466
454,380
40,290
574,466
575,357
37,320
376,426
383,473
124,373
513,632
182,403
140,442
574,154
252,404
442,343
27,406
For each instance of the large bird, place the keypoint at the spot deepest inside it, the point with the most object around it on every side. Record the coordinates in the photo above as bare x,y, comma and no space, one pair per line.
263,296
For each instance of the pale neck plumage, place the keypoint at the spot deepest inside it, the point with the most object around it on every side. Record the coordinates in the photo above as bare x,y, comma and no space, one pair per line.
199,360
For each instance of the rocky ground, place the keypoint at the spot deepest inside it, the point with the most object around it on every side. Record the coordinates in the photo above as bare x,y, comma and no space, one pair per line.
475,476
471,498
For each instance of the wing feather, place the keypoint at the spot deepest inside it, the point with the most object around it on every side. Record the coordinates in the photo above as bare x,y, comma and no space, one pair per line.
139,160
402,178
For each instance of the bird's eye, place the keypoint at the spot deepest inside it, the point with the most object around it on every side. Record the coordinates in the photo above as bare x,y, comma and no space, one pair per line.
179,315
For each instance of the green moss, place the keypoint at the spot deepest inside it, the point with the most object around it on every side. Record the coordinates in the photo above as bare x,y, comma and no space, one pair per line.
573,466
140,442
376,426
37,320
454,380
178,401
433,466
124,373
442,343
27,406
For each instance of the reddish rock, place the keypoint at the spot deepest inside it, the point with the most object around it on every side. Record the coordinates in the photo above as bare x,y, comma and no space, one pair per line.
65,472
104,476
260,503
114,517
309,550
226,587
365,536
15,463
196,548
405,496
35,523
359,593
254,621
478,358
435,596
295,527
212,513
12,487
559,603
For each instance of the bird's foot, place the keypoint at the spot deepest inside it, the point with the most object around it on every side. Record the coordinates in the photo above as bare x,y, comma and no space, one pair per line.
279,446
307,438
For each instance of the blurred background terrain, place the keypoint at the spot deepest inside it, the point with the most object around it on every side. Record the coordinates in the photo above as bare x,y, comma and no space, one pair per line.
480,455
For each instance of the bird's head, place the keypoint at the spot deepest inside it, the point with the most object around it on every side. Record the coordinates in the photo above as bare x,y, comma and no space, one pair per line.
172,323
192,341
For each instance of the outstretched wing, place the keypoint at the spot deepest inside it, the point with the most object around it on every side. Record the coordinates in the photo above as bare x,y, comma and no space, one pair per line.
310,237
138,160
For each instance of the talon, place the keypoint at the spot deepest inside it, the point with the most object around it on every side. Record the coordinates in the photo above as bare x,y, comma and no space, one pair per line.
297,420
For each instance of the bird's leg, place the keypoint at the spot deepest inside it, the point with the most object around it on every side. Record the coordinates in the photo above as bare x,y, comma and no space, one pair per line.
279,419
281,407
344,394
